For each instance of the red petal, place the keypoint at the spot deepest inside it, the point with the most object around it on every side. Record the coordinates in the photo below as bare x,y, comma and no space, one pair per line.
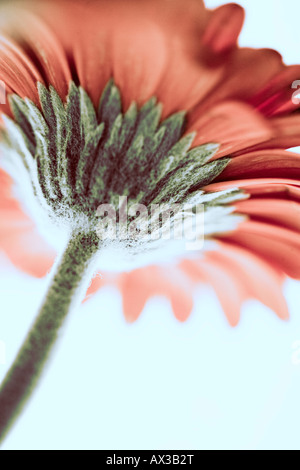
282,212
236,126
279,246
246,71
135,288
223,29
265,163
18,236
262,282
230,294
17,71
258,185
139,285
276,96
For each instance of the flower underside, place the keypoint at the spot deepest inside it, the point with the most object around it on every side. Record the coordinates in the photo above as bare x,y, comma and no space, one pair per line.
74,158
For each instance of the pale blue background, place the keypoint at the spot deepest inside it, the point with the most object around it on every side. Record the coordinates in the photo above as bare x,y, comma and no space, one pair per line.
160,384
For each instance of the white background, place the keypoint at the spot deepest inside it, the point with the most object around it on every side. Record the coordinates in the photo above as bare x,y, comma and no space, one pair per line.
159,384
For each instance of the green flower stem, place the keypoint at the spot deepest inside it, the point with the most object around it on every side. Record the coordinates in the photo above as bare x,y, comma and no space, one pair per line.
68,282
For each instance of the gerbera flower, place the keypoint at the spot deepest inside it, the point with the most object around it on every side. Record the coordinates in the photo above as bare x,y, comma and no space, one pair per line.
152,100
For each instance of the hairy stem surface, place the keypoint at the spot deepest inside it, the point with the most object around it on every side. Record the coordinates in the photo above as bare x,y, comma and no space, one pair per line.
67,284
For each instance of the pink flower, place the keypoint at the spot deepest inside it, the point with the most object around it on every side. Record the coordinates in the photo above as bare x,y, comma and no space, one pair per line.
239,98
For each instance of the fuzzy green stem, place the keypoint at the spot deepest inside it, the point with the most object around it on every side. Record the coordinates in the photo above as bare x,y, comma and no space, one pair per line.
66,285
